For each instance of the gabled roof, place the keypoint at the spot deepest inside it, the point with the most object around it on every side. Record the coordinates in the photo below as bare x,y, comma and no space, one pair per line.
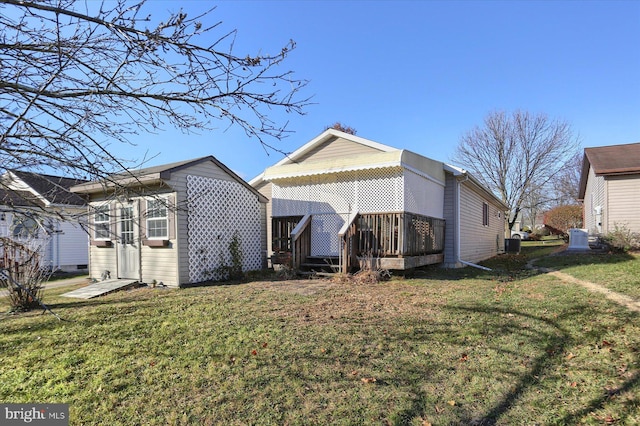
154,175
24,188
13,199
613,160
319,140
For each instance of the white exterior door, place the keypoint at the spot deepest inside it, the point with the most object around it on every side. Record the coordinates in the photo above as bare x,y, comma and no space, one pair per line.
128,243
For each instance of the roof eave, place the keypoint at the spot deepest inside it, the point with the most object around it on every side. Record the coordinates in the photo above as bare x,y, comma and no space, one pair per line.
103,186
457,171
326,135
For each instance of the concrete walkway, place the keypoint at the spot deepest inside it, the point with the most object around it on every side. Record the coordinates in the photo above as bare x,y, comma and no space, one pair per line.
100,288
622,299
83,279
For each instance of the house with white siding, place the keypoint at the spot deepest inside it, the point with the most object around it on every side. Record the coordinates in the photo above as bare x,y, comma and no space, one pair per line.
39,211
348,200
173,224
610,188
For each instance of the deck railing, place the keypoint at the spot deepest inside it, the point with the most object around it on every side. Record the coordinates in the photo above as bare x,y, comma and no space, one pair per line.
392,234
281,232
367,234
301,242
349,251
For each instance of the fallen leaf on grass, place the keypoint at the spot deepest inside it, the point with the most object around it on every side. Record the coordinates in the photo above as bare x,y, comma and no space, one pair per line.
254,352
464,357
451,403
354,373
368,380
570,356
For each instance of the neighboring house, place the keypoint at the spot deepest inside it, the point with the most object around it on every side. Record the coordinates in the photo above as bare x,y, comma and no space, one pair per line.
610,188
173,224
40,211
344,197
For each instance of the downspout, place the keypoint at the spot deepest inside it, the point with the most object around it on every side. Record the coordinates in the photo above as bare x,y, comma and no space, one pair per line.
457,229
137,217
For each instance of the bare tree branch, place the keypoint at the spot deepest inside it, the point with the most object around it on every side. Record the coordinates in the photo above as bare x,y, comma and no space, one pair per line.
73,82
518,154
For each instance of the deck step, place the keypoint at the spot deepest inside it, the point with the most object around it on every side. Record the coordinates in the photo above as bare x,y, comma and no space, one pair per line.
316,274
323,259
319,265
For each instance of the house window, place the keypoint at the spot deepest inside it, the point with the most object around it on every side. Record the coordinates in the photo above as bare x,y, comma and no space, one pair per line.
126,225
24,228
157,219
485,214
101,221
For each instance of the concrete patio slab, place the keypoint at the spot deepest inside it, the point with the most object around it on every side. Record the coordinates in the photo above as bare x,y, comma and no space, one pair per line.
100,288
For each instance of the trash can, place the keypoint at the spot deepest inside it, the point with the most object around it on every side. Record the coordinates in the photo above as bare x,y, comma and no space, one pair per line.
512,245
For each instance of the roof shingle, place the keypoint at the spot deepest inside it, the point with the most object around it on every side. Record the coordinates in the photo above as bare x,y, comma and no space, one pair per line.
614,159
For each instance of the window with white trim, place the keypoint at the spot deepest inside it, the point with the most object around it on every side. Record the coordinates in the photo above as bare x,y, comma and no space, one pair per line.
157,219
102,223
485,214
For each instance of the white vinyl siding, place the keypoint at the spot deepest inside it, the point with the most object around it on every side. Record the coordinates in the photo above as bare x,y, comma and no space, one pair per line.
336,148
69,246
478,242
623,202
594,197
422,195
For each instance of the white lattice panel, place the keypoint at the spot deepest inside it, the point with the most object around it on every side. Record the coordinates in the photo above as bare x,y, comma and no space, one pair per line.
380,190
216,210
324,234
368,191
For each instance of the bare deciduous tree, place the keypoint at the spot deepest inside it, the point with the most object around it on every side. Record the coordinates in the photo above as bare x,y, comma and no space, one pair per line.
76,77
513,154
566,183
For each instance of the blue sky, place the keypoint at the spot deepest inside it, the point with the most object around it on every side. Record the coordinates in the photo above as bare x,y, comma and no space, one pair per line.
419,74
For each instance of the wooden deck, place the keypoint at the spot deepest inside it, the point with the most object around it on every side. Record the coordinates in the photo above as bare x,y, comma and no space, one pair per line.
396,240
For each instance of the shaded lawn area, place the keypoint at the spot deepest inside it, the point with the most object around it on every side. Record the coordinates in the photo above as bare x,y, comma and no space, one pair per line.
444,347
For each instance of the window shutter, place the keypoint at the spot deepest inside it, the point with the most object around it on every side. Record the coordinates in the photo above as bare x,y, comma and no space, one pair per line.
142,218
91,215
171,214
114,223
